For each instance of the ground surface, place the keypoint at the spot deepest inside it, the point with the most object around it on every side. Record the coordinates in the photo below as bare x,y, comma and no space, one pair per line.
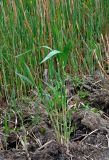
36,140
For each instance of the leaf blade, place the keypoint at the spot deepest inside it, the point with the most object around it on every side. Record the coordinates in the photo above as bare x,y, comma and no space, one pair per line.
50,55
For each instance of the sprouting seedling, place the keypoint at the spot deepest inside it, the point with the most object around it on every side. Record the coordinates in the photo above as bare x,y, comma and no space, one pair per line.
50,55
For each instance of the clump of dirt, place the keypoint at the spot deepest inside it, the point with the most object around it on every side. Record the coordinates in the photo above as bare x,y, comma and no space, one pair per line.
90,139
13,155
51,151
98,93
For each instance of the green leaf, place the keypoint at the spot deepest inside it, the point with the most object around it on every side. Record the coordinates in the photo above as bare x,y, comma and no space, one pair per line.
29,74
50,55
24,78
46,47
19,55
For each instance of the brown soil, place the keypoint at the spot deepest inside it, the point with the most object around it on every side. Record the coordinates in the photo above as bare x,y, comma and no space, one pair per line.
90,141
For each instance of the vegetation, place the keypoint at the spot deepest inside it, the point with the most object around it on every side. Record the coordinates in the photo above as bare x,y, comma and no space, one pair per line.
76,28
64,37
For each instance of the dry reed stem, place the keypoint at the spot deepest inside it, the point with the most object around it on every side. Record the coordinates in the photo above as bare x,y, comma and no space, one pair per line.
99,64
107,51
15,11
26,23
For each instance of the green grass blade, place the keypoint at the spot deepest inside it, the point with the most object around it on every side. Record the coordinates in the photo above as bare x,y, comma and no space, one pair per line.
50,55
24,78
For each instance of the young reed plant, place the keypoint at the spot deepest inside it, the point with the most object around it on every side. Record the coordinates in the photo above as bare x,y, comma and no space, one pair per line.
55,102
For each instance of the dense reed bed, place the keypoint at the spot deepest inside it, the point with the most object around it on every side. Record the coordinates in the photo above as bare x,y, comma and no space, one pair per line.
76,28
